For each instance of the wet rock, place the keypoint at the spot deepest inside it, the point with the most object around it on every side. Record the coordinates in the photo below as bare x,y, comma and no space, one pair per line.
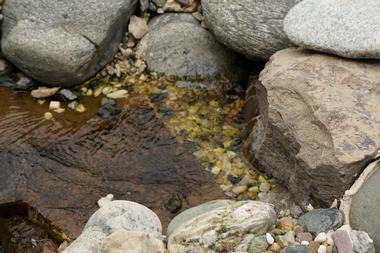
63,42
361,203
174,204
321,220
222,229
44,92
178,46
250,27
191,213
124,241
118,94
296,249
361,241
349,28
108,109
68,95
83,158
138,27
304,132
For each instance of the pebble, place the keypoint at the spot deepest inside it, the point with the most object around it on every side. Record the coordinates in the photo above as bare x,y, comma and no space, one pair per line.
275,247
270,239
304,236
306,243
322,249
342,241
239,189
48,115
44,92
258,245
138,27
118,94
68,95
321,237
321,220
314,246
105,200
54,105
265,187
296,249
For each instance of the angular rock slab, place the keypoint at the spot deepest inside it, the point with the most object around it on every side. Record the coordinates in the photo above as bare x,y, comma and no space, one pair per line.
349,28
251,27
361,203
316,122
178,46
63,42
223,229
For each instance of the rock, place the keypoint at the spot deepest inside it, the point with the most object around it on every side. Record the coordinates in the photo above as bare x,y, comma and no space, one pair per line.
275,247
43,92
361,241
270,239
322,249
343,241
304,236
138,27
88,242
360,204
191,213
54,105
63,43
304,132
321,220
178,46
321,237
295,249
223,228
313,246
124,241
105,200
108,109
346,28
68,95
250,27
258,244
174,204
118,94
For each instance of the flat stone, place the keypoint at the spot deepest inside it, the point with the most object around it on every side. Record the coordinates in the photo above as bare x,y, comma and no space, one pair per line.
178,46
321,220
250,27
63,43
222,229
342,241
348,28
44,92
296,249
312,122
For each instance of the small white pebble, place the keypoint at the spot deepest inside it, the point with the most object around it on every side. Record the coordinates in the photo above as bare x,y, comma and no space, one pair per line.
54,105
322,249
321,237
48,115
105,200
306,243
270,239
310,208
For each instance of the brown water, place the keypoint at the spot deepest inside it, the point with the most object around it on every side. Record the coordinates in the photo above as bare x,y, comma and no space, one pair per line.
61,167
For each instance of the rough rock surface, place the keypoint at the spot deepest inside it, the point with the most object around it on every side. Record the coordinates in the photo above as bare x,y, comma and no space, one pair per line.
63,42
314,122
349,28
321,220
178,46
252,27
362,242
225,229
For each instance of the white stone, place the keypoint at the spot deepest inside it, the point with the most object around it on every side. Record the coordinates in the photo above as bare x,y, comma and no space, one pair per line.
54,105
322,249
105,200
321,237
118,94
270,239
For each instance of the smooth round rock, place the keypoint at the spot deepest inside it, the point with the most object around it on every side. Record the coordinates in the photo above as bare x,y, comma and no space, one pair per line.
348,28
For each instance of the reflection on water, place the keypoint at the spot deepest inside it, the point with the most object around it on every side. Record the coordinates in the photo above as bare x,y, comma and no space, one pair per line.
63,166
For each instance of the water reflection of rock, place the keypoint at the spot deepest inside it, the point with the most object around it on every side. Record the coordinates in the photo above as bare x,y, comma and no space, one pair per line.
63,167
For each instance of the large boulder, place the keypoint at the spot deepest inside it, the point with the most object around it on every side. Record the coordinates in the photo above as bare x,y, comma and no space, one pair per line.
361,206
63,42
228,228
178,46
348,28
314,122
251,27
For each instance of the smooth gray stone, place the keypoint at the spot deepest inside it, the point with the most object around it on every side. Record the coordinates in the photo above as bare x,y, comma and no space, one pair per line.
63,42
178,46
321,220
251,27
349,28
365,208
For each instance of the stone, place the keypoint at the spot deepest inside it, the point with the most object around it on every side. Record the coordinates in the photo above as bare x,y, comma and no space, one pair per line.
258,245
312,127
322,249
321,237
88,242
63,43
361,241
314,246
138,27
275,247
223,228
295,249
270,239
193,212
123,241
44,92
346,28
360,203
321,221
108,108
54,105
178,46
118,94
68,95
105,200
250,27
343,241
304,236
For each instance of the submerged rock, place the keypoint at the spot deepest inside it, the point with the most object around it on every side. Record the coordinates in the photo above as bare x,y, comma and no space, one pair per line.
63,42
224,229
250,27
348,28
314,123
178,46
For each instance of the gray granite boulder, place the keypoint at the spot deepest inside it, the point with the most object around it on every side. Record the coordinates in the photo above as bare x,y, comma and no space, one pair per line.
178,46
251,27
349,28
361,207
314,122
63,42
